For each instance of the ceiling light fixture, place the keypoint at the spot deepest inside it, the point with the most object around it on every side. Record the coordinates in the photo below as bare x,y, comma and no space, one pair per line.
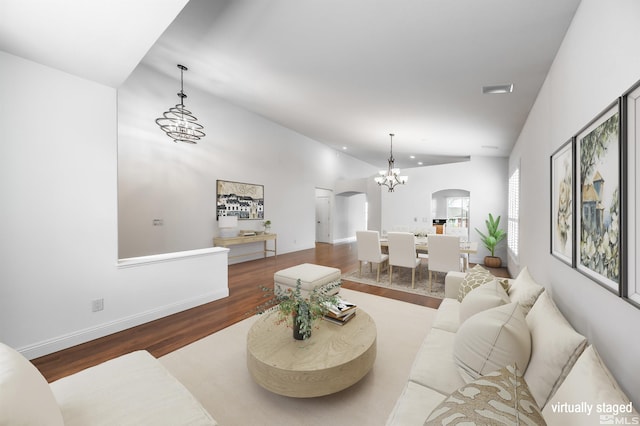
179,123
500,88
391,177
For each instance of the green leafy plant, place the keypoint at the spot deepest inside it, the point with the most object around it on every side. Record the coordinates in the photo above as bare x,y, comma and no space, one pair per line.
493,235
292,306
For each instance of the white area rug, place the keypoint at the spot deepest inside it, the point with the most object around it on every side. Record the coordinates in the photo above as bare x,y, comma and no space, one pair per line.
214,370
401,280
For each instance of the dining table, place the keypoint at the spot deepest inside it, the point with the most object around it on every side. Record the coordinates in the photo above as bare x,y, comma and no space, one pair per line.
466,247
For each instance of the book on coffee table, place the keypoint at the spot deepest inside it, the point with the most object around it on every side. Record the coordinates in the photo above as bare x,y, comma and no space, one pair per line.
342,320
341,308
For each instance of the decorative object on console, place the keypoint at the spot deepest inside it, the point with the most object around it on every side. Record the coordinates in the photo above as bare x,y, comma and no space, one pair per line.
245,200
298,311
227,225
491,240
179,123
562,196
391,177
267,226
598,212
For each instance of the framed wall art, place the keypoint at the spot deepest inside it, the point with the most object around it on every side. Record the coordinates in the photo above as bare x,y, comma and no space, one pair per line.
598,193
244,200
562,196
631,140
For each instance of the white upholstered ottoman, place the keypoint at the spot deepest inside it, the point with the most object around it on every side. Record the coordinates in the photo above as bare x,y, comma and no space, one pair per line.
310,275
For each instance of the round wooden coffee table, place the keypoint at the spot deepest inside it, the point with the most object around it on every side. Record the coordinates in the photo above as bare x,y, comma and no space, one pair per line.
332,359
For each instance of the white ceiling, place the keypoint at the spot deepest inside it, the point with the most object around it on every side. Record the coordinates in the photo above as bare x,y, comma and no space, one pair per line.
100,40
343,72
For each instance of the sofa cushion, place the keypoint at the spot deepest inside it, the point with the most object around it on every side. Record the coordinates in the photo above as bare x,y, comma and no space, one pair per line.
448,315
486,296
491,340
133,389
498,398
589,382
26,398
434,366
414,405
525,290
474,277
556,346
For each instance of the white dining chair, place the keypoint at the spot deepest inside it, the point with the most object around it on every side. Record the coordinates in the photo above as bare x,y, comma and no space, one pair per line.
368,243
402,252
463,233
444,254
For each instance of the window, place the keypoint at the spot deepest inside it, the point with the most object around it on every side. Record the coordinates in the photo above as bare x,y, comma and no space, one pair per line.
514,212
458,212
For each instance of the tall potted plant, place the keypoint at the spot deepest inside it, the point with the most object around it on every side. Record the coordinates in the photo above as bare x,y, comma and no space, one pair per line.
491,240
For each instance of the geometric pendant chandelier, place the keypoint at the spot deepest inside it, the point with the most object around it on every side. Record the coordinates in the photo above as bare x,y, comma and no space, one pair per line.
179,123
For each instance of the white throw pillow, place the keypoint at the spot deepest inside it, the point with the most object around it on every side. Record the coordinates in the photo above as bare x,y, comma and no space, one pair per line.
525,290
25,395
491,340
589,383
486,296
556,346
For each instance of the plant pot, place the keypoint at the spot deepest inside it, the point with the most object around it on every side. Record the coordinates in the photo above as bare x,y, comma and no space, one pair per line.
297,334
492,261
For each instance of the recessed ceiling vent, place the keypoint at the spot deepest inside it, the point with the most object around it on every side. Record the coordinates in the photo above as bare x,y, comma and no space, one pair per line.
500,88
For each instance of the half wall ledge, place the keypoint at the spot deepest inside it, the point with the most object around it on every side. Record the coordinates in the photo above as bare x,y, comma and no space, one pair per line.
169,257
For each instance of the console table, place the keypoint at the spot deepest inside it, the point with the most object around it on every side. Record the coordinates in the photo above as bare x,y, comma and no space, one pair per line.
232,241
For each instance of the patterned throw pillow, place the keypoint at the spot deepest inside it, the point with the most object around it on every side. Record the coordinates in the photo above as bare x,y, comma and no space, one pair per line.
475,277
501,397
506,284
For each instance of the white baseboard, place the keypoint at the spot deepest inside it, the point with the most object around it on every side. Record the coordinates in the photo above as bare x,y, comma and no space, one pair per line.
345,240
81,336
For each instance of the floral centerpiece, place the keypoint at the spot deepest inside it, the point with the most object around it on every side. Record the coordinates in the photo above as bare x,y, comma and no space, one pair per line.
298,311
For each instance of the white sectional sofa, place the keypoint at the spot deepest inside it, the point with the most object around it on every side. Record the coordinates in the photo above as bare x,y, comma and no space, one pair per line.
134,389
458,372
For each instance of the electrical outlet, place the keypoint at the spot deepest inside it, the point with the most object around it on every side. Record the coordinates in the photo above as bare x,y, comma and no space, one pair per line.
158,222
97,305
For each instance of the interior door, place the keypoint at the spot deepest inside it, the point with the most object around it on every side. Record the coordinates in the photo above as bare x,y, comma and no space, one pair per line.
323,220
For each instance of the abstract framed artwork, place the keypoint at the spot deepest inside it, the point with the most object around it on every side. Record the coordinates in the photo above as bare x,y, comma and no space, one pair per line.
562,196
598,212
244,200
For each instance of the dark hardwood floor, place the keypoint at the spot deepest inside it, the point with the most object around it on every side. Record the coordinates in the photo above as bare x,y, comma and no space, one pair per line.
167,334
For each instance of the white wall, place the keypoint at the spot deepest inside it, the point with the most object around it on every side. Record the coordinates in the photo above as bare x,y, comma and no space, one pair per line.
595,64
484,177
58,220
177,182
350,216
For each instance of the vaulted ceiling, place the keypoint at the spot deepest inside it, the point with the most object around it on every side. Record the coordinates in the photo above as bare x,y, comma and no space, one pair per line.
345,73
